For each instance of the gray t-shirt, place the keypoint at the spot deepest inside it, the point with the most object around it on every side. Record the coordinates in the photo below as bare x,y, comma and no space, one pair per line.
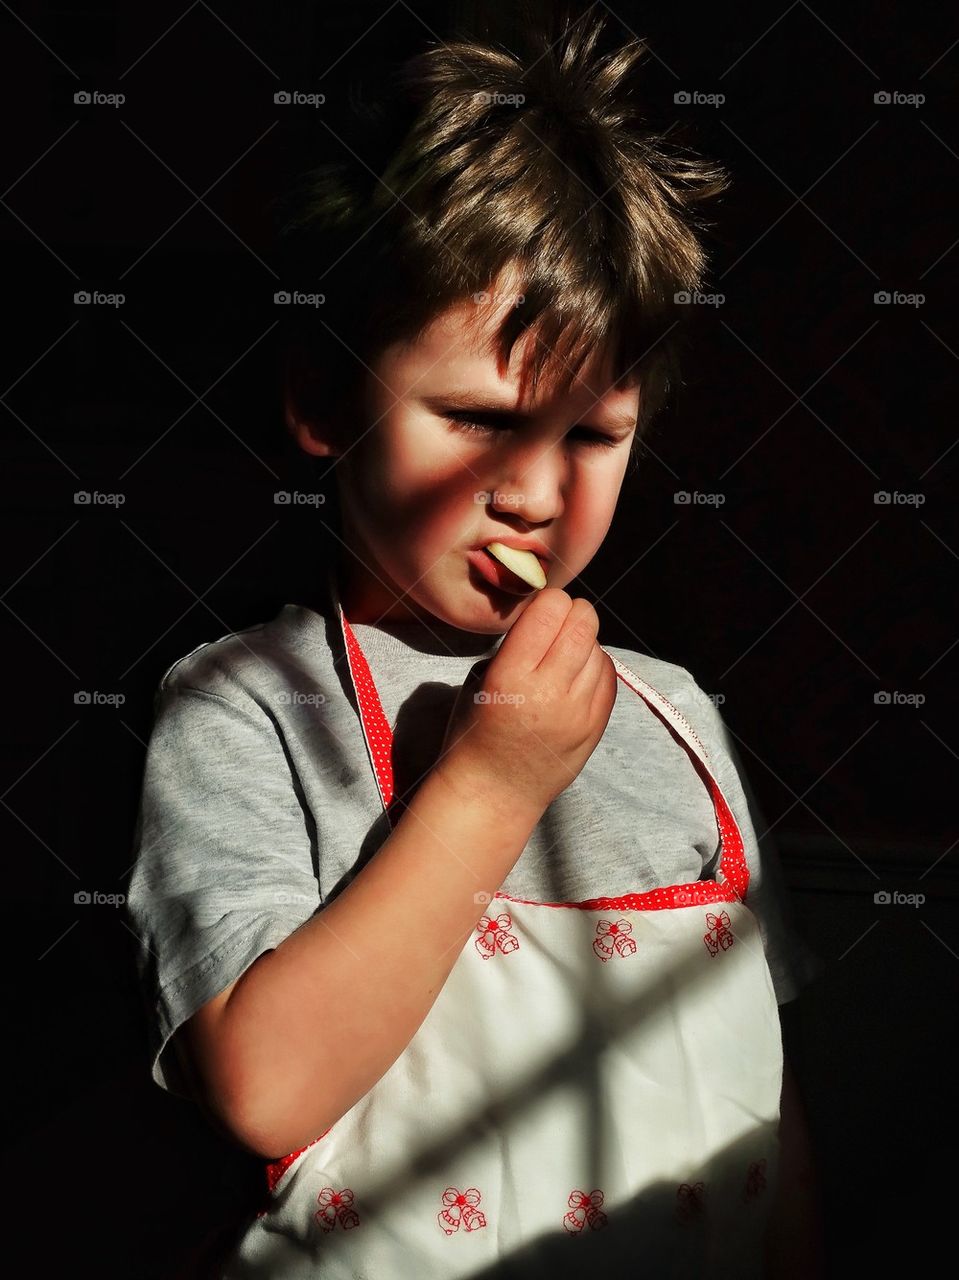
259,803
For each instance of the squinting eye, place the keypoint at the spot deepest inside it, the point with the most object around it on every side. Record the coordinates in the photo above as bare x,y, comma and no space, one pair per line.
472,425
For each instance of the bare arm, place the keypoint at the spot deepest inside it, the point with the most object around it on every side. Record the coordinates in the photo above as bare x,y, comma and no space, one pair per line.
794,1236
311,1026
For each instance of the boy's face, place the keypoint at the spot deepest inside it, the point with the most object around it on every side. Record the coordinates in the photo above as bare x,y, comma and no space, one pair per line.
421,494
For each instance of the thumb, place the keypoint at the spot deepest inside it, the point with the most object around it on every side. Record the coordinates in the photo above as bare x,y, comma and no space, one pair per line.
459,712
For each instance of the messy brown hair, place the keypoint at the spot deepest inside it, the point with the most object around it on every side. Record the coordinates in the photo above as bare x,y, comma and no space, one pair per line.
490,157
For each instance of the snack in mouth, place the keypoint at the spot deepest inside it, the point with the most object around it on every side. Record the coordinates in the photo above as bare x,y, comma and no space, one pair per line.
523,563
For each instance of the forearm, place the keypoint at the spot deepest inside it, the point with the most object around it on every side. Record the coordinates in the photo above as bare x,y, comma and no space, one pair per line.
795,1247
314,1024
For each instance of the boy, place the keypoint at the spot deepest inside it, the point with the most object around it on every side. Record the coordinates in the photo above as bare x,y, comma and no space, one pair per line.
309,939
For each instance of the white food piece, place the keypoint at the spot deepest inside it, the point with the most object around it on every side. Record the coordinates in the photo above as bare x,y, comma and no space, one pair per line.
523,563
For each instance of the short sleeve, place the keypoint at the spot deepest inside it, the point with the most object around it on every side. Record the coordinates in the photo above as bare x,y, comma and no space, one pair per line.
792,962
224,866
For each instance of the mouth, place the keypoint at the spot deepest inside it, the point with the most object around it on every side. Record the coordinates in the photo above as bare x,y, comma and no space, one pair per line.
497,574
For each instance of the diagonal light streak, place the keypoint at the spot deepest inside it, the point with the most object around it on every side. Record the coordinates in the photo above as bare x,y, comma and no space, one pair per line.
39,839
799,199
360,37
62,936
938,939
39,39
34,164
813,12
213,14
160,37
39,639
858,940
939,859
199,200
38,238
939,659
797,399
811,787
40,357
39,438
759,38
198,399
197,599
31,767
800,599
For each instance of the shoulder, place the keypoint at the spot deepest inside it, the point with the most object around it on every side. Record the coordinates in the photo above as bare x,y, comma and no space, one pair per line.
679,686
254,665
668,678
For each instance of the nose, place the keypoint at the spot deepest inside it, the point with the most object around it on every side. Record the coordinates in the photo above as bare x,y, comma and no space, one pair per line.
532,483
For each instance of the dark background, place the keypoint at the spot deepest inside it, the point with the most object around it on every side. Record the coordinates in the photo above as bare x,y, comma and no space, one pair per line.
799,599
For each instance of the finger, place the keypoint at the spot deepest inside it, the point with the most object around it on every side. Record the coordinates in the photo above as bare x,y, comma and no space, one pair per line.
585,682
604,696
536,628
571,649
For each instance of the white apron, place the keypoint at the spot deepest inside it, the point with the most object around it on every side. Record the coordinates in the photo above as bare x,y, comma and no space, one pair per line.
597,1082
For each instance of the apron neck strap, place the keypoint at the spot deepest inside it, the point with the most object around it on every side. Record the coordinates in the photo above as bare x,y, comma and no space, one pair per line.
378,738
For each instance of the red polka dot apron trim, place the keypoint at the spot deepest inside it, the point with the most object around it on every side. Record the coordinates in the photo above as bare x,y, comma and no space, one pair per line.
733,871
605,1071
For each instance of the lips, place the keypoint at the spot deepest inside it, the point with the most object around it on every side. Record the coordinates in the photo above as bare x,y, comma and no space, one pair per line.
496,574
537,549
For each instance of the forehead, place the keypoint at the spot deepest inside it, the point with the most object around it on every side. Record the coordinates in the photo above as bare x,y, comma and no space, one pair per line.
457,351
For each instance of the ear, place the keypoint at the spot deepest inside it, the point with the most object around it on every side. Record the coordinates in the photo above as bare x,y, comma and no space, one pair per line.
309,416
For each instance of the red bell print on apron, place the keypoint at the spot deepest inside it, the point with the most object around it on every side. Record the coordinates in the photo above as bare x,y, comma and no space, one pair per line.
461,1210
719,935
335,1207
602,1076
585,1210
614,938
495,936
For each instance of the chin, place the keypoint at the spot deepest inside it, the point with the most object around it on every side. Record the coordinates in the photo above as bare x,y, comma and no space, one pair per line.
490,612
471,604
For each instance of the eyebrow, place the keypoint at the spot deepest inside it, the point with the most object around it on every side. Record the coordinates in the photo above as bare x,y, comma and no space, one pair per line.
458,401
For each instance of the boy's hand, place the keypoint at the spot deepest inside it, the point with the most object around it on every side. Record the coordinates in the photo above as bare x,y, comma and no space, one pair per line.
527,720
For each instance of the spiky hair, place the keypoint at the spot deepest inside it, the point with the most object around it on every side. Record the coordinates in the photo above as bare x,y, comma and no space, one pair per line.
537,158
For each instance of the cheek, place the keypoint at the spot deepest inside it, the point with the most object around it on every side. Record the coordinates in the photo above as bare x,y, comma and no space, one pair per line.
406,492
380,472
592,501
